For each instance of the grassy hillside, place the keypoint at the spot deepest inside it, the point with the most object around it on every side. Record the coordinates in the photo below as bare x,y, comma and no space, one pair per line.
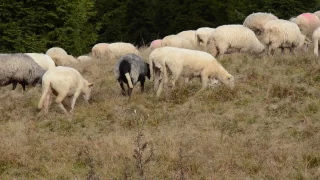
268,127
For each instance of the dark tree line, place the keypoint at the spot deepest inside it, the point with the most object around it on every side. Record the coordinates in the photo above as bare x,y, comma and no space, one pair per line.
76,25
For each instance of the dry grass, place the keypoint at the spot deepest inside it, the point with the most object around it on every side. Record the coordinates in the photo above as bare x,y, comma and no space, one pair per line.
267,128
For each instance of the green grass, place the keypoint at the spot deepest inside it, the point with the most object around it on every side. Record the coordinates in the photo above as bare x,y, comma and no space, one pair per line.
266,128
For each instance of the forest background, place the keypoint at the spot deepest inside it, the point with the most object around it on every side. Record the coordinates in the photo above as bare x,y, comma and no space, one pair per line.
76,25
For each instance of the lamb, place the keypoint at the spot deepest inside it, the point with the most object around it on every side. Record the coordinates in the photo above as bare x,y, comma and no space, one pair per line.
176,41
63,81
19,68
194,63
56,51
190,35
43,60
119,49
256,21
308,23
131,69
155,44
99,50
233,38
202,36
84,58
316,38
282,34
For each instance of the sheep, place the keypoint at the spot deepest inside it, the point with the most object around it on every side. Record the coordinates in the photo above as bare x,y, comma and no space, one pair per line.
190,35
256,21
307,23
202,36
233,38
64,60
119,49
176,41
317,13
194,63
84,58
99,50
316,38
56,51
19,68
45,61
155,44
282,34
63,81
131,69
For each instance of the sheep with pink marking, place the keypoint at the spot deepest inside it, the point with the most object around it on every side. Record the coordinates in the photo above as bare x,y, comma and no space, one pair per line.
155,44
307,23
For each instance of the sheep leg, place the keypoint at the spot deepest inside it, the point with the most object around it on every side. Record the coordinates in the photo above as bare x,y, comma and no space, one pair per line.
122,88
129,90
14,85
59,100
47,102
73,101
160,87
204,81
156,80
282,51
142,84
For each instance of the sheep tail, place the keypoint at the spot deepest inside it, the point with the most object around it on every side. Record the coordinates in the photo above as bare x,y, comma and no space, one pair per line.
129,80
45,92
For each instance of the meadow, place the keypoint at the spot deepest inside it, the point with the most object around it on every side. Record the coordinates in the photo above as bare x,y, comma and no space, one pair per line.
267,127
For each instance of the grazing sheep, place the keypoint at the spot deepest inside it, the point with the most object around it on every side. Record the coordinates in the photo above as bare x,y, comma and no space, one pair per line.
155,44
176,41
308,23
54,51
84,58
131,69
63,81
64,60
282,34
317,13
256,21
202,36
99,50
189,63
316,38
19,68
233,38
45,61
191,36
119,49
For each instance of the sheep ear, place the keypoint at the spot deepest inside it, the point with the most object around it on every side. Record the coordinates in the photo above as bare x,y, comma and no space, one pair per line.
90,85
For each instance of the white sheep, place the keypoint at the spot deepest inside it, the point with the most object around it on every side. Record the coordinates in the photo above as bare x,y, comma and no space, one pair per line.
84,58
63,81
308,23
119,49
99,50
56,51
190,35
317,13
282,34
202,36
176,41
316,38
64,60
189,63
233,38
45,61
256,21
